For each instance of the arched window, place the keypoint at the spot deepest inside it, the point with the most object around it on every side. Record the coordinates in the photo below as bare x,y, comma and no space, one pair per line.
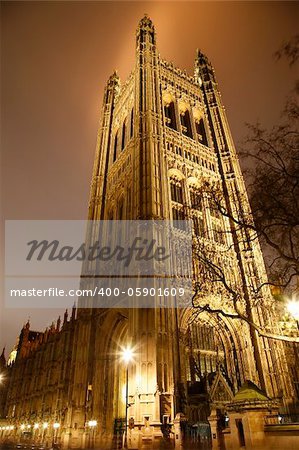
178,216
186,123
169,112
198,224
201,132
120,210
123,137
110,215
195,199
176,191
219,233
115,146
132,123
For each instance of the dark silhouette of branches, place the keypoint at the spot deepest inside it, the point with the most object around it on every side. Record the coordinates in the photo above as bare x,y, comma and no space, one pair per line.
272,177
272,158
218,289
289,50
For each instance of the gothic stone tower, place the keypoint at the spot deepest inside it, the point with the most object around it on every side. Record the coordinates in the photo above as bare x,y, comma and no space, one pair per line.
163,135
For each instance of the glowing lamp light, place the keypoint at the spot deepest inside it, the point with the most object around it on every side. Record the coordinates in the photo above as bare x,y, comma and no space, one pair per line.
56,425
293,308
28,426
92,423
11,427
127,355
22,427
36,425
45,425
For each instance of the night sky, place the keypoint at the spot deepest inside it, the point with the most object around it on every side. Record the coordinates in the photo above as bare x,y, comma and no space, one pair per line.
55,60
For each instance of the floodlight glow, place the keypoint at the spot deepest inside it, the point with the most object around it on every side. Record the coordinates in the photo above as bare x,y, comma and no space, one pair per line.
92,423
127,354
293,308
56,425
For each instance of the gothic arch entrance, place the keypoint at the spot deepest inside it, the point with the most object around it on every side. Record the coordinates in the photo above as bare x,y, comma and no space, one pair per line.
211,365
109,399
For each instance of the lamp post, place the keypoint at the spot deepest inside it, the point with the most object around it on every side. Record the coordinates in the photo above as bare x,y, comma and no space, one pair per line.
92,424
56,426
127,356
45,426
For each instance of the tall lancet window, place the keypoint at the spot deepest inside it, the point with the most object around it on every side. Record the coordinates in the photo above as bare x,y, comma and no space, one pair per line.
186,123
170,116
176,191
132,123
115,146
201,132
123,137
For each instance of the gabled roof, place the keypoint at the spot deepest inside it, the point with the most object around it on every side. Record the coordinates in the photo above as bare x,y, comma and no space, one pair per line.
248,392
220,390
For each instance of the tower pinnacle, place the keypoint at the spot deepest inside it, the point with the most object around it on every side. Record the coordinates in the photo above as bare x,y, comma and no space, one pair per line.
146,22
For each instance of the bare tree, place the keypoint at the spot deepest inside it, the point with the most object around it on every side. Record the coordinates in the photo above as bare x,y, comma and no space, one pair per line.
272,175
272,160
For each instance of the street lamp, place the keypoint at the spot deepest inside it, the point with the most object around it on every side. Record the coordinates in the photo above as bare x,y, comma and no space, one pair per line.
293,308
56,425
92,423
127,357
45,426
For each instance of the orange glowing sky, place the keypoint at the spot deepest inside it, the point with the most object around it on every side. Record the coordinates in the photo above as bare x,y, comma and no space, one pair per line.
55,59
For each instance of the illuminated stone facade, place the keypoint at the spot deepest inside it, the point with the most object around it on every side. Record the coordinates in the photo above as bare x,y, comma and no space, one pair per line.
163,135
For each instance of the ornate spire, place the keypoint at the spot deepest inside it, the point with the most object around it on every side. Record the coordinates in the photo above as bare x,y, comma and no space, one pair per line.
114,81
114,77
58,323
146,28
146,22
65,316
73,312
2,358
